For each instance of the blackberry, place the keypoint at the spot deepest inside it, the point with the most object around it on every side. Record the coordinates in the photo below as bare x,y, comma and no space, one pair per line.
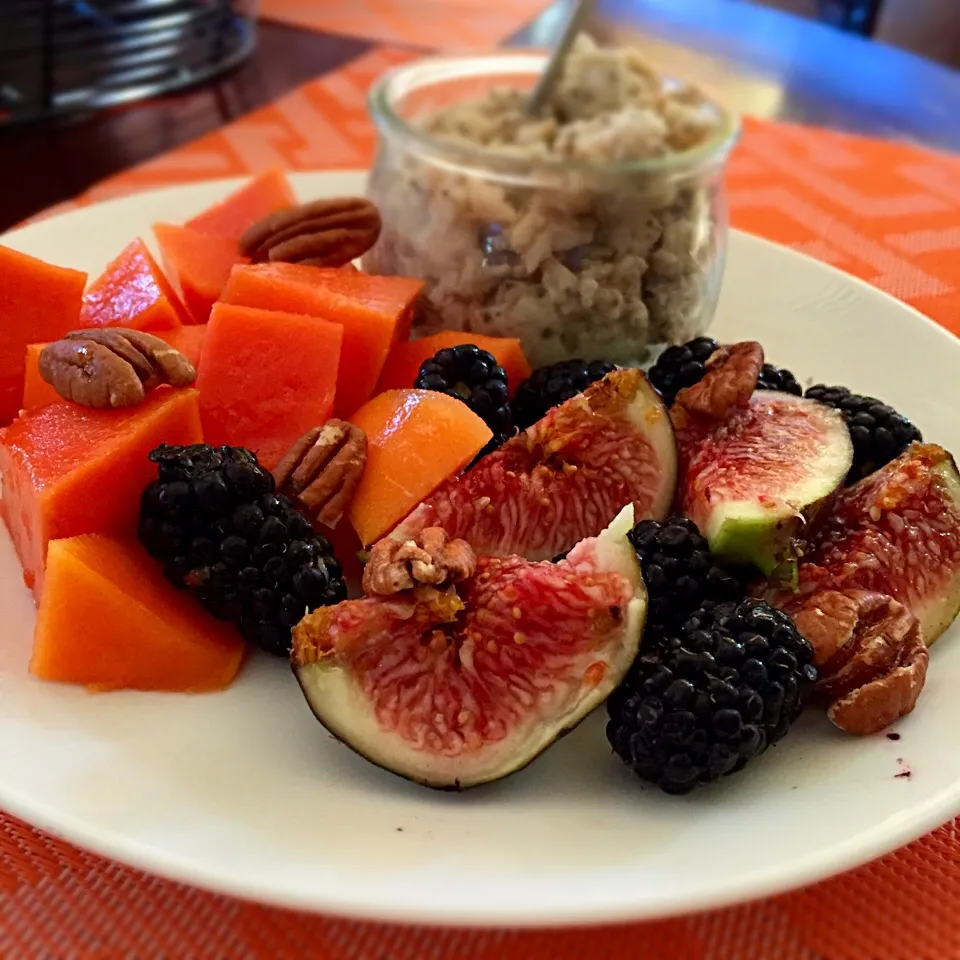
705,702
549,386
776,378
680,574
214,522
473,376
681,366
878,432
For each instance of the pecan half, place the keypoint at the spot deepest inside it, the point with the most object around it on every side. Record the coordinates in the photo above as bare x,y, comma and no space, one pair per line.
870,654
324,233
731,378
827,620
112,366
875,705
432,559
323,469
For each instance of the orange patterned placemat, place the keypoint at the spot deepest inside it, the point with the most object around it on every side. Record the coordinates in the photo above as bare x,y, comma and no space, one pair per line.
435,24
59,903
886,212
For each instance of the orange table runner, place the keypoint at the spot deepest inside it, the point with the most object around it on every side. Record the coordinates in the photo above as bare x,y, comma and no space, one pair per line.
886,212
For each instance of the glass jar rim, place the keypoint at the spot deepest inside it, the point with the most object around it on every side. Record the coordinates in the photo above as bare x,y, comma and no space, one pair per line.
388,120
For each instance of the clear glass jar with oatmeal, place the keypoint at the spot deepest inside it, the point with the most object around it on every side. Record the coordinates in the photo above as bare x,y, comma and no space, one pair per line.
596,229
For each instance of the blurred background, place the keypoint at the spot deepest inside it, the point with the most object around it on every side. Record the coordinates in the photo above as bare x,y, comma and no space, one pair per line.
91,87
930,28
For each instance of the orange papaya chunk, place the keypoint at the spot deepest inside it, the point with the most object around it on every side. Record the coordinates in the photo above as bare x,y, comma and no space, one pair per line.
69,470
199,265
149,635
415,440
390,296
132,292
37,392
373,311
404,362
188,340
38,301
264,194
266,378
358,294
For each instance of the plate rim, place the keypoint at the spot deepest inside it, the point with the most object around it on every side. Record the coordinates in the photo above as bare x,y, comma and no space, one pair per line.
805,872
934,810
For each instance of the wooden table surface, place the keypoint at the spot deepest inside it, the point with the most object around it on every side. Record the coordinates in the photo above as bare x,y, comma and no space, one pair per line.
758,60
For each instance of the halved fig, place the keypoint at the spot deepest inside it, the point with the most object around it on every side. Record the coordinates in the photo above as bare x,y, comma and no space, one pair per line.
897,533
753,479
564,478
458,687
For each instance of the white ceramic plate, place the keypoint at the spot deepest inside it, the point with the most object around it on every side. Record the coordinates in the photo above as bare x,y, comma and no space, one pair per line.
244,792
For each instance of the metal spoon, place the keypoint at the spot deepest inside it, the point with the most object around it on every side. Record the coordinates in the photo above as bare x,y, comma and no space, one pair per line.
541,92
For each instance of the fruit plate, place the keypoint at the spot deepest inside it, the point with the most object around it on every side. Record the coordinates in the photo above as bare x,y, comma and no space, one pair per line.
243,792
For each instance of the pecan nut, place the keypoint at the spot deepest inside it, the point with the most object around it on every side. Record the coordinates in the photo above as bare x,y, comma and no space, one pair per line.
875,705
432,559
112,367
731,378
324,233
827,620
871,657
323,469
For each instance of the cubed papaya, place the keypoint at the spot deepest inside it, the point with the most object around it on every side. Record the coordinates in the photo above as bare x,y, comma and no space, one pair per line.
188,340
38,301
415,440
266,193
404,362
132,292
357,294
69,470
199,265
266,378
373,311
37,392
149,635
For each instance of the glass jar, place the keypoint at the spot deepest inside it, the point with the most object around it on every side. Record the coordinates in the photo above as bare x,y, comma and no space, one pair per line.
576,259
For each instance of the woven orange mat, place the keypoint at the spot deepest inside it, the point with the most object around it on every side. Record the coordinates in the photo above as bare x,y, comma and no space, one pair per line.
436,24
886,212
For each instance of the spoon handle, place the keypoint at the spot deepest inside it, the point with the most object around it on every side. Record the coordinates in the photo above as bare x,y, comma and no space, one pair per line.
541,92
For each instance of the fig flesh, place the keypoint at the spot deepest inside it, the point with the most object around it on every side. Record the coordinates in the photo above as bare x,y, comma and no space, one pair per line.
755,478
895,533
459,687
564,478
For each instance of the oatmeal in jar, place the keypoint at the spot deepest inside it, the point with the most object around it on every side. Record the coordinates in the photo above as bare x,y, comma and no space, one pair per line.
594,229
